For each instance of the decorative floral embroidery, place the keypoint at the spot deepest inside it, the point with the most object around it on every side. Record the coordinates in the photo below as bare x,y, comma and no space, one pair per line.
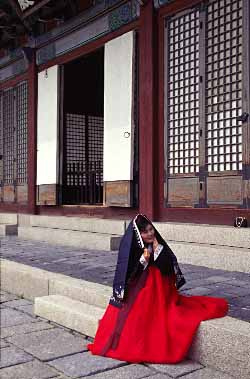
119,292
158,251
115,302
137,233
143,261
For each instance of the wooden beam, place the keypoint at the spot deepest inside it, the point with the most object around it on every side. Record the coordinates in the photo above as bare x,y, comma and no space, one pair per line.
32,134
16,8
34,8
147,134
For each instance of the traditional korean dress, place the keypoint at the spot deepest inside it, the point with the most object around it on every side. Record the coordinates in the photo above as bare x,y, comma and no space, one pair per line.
147,320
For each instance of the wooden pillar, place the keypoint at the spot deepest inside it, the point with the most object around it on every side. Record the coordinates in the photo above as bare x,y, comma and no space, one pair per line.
246,108
147,136
32,134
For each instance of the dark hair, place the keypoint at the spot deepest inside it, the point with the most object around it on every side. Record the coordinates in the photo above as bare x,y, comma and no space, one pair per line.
142,223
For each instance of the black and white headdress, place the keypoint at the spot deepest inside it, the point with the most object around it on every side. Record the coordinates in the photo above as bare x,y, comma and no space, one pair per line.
132,239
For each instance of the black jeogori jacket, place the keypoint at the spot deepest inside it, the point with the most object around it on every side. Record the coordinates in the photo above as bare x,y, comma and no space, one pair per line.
128,265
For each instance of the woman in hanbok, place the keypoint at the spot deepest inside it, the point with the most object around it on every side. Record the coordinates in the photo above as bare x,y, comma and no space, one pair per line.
147,319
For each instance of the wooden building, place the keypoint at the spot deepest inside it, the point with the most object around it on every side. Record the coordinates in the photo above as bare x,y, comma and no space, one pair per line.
113,107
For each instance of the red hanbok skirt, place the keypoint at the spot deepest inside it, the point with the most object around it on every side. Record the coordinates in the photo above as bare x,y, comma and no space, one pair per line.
160,324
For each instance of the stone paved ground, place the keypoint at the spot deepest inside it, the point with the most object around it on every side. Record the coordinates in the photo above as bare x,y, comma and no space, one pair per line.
33,348
99,266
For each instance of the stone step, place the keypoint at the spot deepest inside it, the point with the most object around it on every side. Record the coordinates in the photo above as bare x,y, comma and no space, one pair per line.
223,343
77,239
218,257
220,235
77,289
9,218
84,224
8,224
31,282
8,230
212,344
73,314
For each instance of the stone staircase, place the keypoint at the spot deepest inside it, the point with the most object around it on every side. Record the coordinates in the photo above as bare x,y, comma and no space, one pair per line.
219,235
78,232
222,343
8,224
214,246
73,314
212,345
213,256
78,305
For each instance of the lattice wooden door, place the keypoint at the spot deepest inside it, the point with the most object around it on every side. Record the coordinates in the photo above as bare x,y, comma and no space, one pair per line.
83,159
204,95
13,143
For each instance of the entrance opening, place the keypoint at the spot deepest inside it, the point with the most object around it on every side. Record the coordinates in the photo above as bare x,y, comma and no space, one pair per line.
83,110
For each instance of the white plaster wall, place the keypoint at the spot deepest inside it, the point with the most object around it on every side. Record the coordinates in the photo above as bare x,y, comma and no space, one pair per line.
118,68
47,120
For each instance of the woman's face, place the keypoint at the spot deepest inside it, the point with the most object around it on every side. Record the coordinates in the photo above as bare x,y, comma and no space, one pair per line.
148,234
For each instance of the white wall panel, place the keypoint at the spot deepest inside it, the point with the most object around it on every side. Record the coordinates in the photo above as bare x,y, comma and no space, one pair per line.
118,108
47,124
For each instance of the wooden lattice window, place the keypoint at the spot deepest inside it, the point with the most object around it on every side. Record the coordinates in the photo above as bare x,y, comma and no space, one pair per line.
22,124
95,145
84,147
223,85
183,93
1,139
203,88
13,134
8,136
83,159
75,148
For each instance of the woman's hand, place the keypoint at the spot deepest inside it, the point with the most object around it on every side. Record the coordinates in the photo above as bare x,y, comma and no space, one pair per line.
155,244
146,254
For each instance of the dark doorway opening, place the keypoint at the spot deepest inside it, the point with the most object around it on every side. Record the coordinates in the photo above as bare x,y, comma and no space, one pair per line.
82,130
